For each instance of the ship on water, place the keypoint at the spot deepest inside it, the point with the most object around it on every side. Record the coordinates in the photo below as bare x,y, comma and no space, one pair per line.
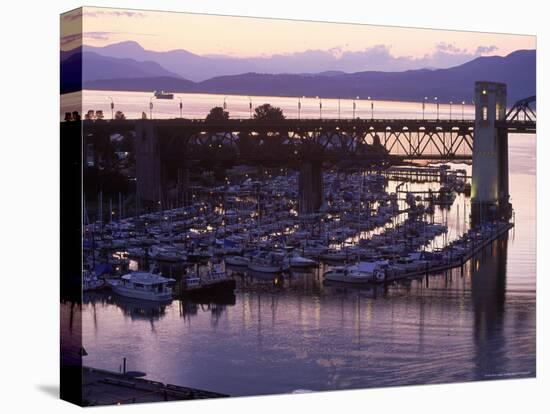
163,95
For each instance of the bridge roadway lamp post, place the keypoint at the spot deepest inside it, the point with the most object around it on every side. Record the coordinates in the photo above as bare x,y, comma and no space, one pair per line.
112,108
437,107
424,107
181,108
224,103
450,110
463,110
299,107
371,108
354,106
250,106
151,108
320,108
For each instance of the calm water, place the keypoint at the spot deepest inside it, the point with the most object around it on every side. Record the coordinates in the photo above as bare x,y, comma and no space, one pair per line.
198,106
298,334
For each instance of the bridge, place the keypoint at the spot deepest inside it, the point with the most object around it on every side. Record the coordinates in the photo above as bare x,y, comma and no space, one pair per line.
166,149
322,139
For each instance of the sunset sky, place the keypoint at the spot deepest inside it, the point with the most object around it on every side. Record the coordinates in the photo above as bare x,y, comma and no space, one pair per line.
257,37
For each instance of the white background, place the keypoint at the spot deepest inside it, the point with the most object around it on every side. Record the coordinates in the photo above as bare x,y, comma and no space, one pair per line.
29,193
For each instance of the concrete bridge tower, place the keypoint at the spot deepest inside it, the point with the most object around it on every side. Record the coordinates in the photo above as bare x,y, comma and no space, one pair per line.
490,195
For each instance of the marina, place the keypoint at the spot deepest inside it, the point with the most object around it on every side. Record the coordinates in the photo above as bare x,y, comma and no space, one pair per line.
398,230
272,259
403,233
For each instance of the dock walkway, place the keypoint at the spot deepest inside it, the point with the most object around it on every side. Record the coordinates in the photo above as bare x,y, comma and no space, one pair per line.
101,387
473,248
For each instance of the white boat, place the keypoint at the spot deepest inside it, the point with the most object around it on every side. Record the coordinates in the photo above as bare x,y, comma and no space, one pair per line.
143,285
166,254
237,261
267,263
296,260
363,272
332,255
336,273
368,272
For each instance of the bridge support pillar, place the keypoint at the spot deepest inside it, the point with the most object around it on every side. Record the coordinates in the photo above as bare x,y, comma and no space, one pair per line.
184,195
310,187
490,194
148,165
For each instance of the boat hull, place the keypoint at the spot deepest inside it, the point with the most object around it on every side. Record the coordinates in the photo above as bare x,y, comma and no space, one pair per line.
237,261
134,294
264,268
347,279
302,264
220,287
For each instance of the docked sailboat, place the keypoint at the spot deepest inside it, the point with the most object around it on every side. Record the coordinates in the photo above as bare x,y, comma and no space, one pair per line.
298,261
268,263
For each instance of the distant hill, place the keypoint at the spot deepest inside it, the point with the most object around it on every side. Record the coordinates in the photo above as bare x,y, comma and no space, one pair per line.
181,62
517,70
71,71
457,83
94,67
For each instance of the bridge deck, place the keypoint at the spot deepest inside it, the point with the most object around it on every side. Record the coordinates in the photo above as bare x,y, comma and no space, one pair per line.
345,125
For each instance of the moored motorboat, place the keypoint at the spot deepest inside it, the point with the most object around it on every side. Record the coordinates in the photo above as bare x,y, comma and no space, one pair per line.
363,272
143,285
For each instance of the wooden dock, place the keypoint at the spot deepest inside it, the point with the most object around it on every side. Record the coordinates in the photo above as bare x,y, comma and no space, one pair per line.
473,250
101,387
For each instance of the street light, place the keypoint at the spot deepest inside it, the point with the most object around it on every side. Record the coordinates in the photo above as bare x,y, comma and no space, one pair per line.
450,110
299,106
437,106
320,108
338,107
224,103
112,107
463,110
424,107
371,108
151,108
250,105
181,108
354,106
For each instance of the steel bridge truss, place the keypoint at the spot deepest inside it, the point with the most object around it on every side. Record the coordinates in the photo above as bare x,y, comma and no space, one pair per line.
323,144
522,111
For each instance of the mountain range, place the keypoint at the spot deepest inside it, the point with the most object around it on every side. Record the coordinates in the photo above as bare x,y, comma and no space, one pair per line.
127,66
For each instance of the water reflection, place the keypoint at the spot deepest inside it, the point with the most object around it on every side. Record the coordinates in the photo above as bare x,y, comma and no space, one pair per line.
133,308
300,333
152,311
